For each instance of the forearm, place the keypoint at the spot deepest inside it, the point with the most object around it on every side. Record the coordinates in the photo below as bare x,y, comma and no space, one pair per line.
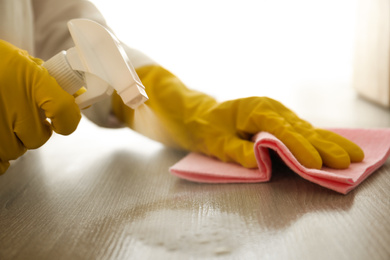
170,108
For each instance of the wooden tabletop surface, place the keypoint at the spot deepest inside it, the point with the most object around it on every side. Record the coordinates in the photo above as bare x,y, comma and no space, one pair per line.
108,194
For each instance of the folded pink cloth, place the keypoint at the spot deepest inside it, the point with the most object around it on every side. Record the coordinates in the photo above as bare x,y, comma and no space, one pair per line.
374,142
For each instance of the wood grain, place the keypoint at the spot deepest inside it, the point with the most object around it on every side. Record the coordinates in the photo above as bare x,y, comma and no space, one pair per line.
107,194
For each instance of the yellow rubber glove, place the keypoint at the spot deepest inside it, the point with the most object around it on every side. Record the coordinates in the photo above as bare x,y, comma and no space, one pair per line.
29,95
196,122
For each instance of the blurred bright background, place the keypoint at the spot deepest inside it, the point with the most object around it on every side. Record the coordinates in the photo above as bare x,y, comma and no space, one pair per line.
252,45
233,49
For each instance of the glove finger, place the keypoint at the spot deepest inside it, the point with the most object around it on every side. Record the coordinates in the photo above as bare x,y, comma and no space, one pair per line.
331,153
240,151
355,153
230,148
335,151
299,146
57,105
32,130
13,147
3,166
36,60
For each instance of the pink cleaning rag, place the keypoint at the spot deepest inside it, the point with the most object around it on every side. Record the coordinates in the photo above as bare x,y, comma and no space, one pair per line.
374,142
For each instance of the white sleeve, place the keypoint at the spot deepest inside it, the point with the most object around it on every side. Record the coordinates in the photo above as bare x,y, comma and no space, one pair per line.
50,23
52,36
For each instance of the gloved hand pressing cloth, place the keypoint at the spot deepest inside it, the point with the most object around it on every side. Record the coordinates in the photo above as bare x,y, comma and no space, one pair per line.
196,122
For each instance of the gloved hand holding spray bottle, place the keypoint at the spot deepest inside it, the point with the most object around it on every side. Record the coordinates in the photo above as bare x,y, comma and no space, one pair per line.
90,72
98,64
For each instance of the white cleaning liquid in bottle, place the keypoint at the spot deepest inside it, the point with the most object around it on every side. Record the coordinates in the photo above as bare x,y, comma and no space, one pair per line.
97,63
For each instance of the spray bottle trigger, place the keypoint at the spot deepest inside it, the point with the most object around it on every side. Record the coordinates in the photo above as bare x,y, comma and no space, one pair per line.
98,63
99,91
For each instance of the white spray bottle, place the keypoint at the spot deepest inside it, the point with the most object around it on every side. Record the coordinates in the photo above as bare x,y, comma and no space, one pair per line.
99,64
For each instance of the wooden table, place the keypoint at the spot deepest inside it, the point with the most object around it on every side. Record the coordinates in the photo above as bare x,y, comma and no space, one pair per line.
107,194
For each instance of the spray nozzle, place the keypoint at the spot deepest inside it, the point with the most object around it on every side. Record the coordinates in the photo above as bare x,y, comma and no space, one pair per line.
98,63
